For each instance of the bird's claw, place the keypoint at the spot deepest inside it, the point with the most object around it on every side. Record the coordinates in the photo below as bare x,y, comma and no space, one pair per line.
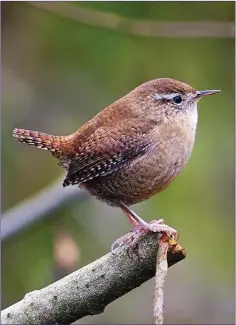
115,245
130,240
160,226
122,241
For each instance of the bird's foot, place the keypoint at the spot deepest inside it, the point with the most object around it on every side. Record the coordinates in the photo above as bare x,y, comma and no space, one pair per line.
131,239
160,226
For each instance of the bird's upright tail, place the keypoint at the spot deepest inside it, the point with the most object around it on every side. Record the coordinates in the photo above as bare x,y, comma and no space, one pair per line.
40,140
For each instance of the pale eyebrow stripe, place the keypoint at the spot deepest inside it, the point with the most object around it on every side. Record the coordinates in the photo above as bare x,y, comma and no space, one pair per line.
159,96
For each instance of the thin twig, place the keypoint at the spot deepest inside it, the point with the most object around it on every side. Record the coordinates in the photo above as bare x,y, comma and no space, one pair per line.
137,27
89,290
160,278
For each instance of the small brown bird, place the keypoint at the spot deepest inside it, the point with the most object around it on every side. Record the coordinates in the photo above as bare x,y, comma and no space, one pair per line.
132,149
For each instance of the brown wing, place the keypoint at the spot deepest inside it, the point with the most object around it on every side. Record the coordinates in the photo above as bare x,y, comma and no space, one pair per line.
106,151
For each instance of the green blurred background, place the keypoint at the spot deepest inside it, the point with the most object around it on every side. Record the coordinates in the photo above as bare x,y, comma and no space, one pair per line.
57,74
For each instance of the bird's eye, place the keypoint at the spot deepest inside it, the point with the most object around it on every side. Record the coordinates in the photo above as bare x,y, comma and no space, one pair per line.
177,99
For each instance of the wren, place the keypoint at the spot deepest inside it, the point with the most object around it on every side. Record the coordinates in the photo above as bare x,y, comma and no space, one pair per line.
132,149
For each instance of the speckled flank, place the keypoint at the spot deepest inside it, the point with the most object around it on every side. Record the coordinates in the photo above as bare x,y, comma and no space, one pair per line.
149,173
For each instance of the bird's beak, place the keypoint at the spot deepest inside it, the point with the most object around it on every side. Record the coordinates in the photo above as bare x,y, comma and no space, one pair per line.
202,93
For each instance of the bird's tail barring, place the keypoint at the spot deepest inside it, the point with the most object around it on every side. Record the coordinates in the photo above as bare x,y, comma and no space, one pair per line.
40,140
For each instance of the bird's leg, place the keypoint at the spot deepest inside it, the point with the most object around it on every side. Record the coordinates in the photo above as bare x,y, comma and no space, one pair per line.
139,224
136,222
140,227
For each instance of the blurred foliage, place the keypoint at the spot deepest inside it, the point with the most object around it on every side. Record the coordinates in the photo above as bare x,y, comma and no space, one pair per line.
56,75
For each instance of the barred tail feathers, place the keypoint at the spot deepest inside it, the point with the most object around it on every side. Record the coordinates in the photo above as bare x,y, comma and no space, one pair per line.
40,140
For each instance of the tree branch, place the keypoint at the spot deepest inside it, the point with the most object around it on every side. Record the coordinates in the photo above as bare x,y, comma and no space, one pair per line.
137,27
48,200
90,289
